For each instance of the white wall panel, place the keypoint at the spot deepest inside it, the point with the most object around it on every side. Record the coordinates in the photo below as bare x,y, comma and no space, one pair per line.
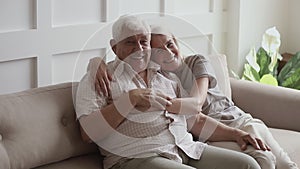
200,17
16,15
191,6
196,45
72,12
225,5
74,38
17,45
56,30
17,75
68,67
138,6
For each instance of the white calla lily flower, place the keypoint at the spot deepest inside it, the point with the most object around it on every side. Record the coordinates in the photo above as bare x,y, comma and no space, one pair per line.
273,61
271,42
251,58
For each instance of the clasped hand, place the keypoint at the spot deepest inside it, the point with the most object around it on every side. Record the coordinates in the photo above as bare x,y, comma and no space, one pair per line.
148,100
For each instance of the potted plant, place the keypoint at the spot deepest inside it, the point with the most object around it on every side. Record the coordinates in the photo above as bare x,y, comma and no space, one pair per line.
261,65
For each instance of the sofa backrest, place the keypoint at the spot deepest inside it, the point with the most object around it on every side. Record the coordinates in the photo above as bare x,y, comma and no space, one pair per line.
38,126
219,63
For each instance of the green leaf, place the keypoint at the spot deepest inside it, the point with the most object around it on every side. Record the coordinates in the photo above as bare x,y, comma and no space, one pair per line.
269,80
289,68
293,81
250,73
235,75
263,60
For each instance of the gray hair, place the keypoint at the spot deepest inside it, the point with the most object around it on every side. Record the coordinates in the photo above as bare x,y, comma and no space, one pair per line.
129,25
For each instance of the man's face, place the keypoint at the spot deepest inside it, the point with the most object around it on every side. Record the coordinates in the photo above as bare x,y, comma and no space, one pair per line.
134,50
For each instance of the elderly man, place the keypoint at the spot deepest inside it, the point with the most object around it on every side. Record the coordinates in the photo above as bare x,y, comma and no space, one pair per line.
131,126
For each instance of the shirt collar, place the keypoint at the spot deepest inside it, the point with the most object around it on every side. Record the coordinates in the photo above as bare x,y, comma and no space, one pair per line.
120,67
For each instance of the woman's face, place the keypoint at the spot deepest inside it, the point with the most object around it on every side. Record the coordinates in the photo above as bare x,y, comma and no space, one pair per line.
165,52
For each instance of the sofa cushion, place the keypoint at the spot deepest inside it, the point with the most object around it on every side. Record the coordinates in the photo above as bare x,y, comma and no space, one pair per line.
287,139
219,63
38,126
92,161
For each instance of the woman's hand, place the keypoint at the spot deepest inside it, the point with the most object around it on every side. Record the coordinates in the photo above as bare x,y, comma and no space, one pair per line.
243,139
190,105
98,70
148,100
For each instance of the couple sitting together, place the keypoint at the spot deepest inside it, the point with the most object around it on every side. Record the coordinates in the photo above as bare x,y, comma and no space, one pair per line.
151,108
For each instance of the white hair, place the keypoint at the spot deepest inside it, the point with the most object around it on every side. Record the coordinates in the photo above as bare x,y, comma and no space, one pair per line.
161,30
129,25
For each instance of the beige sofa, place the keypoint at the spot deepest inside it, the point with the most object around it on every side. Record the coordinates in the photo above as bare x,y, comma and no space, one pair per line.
38,128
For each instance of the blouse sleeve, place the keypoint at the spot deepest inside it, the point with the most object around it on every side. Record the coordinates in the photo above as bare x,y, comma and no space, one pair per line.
201,67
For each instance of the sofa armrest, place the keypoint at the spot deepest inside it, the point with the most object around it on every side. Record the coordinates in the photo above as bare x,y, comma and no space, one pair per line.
278,107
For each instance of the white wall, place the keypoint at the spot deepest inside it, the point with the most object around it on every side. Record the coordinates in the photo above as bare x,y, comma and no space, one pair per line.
248,20
293,30
46,42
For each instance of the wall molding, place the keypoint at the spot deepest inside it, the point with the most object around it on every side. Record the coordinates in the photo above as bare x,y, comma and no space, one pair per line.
46,39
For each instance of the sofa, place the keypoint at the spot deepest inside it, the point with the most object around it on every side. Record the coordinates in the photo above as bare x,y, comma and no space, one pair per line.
38,127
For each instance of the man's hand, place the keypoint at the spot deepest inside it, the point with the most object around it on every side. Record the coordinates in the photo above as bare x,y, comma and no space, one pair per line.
243,139
148,100
98,70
